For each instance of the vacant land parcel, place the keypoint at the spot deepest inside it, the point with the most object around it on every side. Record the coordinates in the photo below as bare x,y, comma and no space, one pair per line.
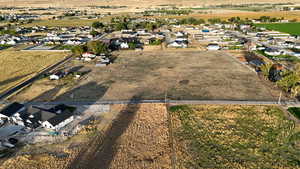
15,66
291,28
203,137
234,137
180,74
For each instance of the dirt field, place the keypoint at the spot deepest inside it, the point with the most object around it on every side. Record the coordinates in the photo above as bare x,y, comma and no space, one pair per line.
234,137
17,65
182,74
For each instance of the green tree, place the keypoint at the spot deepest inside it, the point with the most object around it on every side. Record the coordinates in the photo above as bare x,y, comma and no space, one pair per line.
78,50
265,69
132,45
214,20
97,25
97,47
289,81
94,33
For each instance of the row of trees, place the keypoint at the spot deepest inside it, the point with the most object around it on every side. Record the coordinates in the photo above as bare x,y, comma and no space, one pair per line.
119,23
287,80
96,47
168,12
191,21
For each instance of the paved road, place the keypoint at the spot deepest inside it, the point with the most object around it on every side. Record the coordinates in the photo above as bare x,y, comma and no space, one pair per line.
31,80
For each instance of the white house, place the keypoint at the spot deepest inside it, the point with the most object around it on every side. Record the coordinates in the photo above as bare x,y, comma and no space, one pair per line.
11,42
59,121
177,44
13,112
297,45
213,46
124,45
88,55
57,75
73,42
273,52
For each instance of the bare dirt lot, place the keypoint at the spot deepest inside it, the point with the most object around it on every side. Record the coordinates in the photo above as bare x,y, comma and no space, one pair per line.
181,74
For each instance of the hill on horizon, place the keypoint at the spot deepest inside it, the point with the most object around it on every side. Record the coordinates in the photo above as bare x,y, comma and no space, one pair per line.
131,3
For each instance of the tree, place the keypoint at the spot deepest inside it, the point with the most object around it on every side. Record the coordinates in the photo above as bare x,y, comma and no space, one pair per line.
265,69
94,33
120,26
289,81
78,50
97,25
97,47
132,45
214,20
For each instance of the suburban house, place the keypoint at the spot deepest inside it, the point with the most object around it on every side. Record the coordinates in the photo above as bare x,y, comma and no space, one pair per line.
273,51
54,118
57,75
13,112
213,46
59,121
88,55
35,117
297,45
177,44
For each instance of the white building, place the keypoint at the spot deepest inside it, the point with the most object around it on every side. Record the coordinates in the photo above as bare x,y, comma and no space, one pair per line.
88,55
59,121
213,46
13,112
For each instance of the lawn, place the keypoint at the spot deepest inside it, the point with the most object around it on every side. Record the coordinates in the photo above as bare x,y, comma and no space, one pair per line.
291,28
17,66
234,137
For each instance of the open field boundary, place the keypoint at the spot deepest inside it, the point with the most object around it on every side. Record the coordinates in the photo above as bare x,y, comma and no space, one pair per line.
171,102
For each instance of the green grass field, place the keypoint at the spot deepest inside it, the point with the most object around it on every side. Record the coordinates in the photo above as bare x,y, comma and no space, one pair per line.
210,136
291,28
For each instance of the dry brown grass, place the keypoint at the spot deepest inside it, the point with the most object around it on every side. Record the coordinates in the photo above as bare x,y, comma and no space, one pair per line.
212,136
18,65
246,14
144,143
137,138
